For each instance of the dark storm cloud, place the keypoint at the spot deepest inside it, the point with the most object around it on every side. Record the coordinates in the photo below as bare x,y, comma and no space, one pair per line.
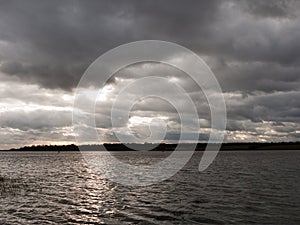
257,76
277,9
53,42
277,106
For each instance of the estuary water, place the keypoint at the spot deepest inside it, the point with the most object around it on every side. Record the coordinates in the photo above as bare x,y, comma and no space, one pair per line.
240,187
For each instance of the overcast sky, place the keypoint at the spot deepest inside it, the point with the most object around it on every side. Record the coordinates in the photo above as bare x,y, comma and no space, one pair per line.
252,47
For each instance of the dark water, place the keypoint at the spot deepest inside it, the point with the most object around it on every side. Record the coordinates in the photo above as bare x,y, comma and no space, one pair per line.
256,187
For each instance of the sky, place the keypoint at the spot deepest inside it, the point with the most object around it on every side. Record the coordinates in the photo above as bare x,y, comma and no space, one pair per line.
252,47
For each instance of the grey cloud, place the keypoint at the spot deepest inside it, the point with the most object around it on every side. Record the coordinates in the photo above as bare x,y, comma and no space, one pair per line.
13,91
36,120
280,107
257,76
12,68
277,9
55,41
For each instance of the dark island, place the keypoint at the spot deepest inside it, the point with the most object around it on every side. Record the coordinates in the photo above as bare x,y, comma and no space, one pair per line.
162,147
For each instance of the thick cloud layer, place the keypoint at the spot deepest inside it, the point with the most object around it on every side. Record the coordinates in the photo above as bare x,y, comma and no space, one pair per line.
53,43
252,47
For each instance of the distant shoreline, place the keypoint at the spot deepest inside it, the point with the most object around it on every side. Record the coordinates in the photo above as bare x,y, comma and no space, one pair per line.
161,147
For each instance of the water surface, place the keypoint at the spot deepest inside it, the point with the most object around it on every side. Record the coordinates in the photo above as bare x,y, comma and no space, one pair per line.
254,187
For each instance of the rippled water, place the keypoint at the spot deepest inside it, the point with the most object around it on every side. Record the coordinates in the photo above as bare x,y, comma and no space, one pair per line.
256,187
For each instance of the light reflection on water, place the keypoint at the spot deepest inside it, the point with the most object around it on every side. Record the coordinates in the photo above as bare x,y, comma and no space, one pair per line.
238,188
